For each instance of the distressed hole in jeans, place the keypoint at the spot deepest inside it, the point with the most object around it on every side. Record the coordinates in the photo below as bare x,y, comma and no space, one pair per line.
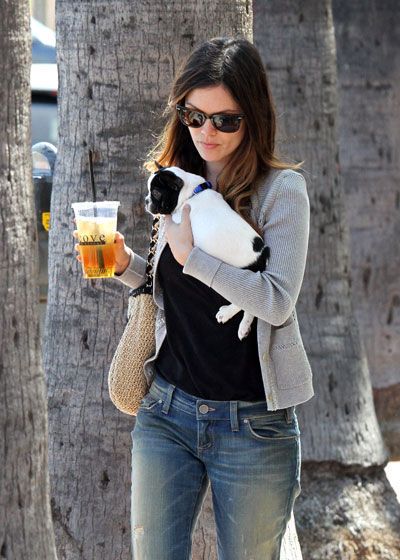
138,530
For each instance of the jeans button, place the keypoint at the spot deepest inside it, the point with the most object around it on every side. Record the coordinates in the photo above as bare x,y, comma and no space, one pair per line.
203,408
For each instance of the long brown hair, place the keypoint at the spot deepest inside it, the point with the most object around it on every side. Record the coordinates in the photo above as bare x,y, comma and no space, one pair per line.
237,65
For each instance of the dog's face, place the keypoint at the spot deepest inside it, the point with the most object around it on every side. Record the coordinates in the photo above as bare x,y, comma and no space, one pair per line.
168,188
164,189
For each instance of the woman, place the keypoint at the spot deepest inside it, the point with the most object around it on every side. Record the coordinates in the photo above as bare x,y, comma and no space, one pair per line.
221,410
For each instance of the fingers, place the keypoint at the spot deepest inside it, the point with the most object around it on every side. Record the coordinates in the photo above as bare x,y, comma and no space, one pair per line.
186,213
76,246
119,238
78,257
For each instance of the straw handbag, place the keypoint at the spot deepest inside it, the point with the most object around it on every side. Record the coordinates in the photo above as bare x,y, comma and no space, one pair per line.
127,383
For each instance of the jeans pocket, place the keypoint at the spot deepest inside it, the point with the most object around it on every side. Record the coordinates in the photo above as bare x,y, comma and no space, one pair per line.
149,402
271,429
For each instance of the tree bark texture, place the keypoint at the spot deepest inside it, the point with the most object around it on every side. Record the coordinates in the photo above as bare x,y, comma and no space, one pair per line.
25,521
116,65
357,519
340,432
368,54
298,43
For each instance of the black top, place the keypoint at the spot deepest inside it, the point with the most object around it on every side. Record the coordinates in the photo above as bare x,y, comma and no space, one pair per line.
199,355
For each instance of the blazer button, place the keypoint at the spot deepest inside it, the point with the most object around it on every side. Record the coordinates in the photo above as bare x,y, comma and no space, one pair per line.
265,357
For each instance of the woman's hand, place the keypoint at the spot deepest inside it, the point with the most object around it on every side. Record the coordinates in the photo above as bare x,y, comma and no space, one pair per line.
122,254
180,236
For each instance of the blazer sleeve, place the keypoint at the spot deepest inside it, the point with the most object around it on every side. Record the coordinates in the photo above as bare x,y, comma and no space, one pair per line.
270,295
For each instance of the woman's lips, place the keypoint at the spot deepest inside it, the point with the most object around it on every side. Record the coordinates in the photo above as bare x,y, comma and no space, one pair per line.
208,146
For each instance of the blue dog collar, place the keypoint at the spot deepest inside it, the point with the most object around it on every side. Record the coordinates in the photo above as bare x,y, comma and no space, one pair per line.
202,187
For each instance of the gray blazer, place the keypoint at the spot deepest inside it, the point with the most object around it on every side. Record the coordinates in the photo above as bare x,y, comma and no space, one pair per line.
282,210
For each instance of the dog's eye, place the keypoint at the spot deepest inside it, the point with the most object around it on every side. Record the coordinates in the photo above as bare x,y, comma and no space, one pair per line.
156,194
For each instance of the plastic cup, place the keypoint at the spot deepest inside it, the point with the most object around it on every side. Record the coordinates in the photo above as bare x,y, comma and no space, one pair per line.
96,224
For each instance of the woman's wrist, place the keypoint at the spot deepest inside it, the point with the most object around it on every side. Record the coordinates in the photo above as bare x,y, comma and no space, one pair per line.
185,254
123,264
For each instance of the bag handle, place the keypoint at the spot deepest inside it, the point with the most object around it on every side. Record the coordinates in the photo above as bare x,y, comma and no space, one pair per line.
147,288
152,251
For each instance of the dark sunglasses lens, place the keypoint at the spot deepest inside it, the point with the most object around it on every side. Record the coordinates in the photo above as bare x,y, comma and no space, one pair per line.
226,123
194,119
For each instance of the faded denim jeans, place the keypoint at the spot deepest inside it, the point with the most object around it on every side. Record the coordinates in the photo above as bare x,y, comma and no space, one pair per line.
249,456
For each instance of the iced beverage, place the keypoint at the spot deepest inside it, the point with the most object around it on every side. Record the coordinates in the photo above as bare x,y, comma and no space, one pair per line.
96,224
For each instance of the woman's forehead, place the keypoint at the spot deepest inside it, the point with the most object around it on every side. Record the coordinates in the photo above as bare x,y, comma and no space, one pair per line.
212,99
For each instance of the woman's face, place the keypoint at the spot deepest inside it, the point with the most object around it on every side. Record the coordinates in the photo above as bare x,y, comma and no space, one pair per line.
214,147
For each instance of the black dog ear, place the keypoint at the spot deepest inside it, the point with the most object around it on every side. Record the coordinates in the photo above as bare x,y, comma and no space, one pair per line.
167,179
159,166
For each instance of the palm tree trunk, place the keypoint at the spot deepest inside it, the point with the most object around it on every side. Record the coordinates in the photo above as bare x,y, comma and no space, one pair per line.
25,523
369,75
346,496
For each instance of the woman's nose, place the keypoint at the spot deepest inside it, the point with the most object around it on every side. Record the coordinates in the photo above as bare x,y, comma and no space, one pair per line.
208,127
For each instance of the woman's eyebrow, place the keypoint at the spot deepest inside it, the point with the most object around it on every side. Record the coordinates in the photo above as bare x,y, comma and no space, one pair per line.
215,112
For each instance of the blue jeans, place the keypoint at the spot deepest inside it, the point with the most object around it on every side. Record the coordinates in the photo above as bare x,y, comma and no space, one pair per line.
249,456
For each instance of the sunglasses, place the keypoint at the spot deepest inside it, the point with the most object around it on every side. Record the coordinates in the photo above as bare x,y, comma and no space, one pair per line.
196,119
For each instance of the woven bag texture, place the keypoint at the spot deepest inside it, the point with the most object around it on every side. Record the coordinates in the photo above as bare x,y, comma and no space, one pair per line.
126,380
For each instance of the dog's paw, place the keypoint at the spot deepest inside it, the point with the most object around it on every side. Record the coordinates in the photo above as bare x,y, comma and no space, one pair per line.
245,325
223,315
243,331
226,312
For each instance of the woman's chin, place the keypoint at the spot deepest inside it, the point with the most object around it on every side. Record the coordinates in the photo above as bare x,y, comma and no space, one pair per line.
212,157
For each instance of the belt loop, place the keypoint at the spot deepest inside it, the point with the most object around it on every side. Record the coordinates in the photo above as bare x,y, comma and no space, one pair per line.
233,406
289,413
167,403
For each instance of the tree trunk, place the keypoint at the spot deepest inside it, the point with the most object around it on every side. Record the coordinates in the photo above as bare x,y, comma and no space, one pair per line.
25,523
116,64
343,450
368,46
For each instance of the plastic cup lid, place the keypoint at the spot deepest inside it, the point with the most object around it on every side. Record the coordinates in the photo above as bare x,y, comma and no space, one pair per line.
102,204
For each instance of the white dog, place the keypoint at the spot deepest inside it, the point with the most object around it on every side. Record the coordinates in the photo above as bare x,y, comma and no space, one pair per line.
217,229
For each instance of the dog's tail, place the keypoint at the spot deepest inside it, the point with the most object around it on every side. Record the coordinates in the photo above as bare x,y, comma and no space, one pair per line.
263,258
263,251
